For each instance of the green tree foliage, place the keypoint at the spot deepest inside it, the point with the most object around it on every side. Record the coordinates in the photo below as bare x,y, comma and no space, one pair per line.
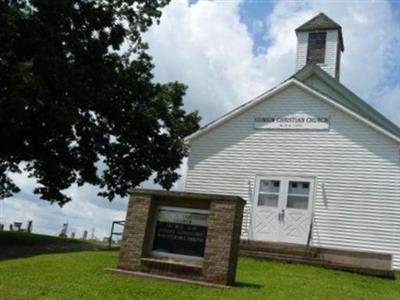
77,92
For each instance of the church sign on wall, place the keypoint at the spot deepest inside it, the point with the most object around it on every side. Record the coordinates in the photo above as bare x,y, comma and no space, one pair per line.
293,121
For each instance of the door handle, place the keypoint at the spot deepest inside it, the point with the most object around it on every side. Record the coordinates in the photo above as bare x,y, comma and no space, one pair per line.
281,215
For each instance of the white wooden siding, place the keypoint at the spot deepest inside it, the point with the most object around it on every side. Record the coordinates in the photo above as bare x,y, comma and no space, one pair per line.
357,170
330,52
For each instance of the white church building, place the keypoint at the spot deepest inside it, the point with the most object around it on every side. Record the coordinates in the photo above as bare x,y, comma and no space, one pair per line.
315,163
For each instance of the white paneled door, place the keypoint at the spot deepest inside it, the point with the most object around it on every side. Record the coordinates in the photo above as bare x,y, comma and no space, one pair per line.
265,216
282,209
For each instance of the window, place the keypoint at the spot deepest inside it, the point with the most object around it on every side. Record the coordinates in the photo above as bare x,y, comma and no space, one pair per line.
316,48
298,195
282,193
269,193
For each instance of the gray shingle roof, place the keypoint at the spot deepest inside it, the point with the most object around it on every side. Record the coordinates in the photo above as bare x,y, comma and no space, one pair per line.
349,100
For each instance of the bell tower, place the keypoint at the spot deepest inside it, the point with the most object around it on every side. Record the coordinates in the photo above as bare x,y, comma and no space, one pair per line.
320,42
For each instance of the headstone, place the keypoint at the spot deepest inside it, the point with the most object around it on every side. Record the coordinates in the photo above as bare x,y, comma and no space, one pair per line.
72,235
85,233
64,230
29,227
182,235
1,227
17,226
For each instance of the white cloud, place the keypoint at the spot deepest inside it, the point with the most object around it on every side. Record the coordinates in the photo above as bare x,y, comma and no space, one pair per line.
205,46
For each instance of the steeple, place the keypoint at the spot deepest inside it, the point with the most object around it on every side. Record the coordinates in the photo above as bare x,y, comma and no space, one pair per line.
320,42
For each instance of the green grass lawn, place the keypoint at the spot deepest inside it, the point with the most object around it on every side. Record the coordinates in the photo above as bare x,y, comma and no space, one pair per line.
80,275
13,238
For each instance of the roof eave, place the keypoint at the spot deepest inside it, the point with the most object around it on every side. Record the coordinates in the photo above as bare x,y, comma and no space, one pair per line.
233,113
293,80
347,110
309,70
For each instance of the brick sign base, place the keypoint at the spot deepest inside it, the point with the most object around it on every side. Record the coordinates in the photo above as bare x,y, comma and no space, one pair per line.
210,252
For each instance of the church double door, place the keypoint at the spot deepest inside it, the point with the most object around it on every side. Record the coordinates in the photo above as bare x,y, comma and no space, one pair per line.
282,208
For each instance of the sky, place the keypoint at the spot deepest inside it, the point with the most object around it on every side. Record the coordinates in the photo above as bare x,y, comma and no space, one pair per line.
228,52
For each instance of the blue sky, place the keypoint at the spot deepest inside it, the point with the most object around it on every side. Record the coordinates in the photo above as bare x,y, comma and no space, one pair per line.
228,52
252,12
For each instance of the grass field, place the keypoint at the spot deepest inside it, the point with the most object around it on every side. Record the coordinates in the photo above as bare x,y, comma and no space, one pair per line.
12,238
80,275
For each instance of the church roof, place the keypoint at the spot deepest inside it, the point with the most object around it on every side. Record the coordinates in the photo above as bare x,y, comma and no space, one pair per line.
322,22
348,101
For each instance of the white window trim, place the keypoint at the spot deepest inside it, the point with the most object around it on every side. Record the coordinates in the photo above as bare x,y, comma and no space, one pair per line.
287,178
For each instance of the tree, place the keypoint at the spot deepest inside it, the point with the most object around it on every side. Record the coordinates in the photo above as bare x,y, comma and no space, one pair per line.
78,102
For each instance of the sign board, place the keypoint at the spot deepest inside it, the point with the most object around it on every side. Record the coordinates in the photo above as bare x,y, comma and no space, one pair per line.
180,231
181,235
294,121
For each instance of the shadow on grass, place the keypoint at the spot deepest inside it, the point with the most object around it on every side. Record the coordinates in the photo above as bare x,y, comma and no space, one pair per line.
24,251
240,284
111,249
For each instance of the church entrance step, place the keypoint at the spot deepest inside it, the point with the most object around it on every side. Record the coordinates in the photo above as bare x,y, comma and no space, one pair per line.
284,249
368,263
279,256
